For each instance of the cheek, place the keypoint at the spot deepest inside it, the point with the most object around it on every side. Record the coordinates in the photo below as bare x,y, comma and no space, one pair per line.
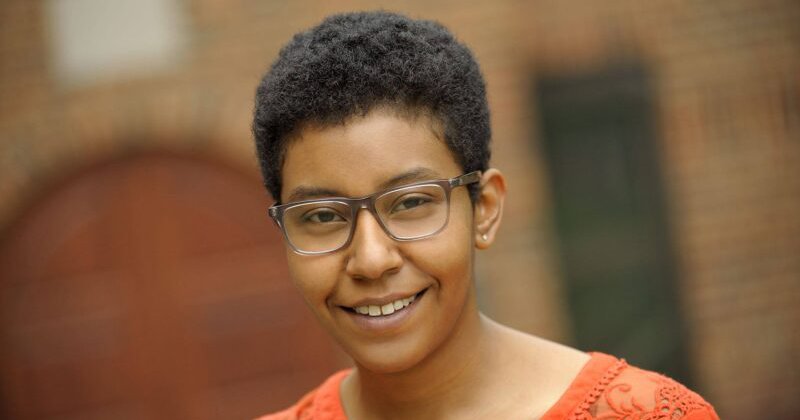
309,277
448,255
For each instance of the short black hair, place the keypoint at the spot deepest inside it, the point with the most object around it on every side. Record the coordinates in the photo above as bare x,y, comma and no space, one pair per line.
351,64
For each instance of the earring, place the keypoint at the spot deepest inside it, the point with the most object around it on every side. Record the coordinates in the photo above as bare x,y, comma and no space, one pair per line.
485,237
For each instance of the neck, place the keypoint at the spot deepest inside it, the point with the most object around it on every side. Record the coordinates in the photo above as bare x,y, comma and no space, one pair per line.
449,376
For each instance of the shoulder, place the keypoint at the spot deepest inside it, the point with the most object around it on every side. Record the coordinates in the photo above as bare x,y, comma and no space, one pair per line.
610,388
322,403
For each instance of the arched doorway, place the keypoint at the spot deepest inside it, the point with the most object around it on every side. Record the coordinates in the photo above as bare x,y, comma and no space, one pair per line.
152,287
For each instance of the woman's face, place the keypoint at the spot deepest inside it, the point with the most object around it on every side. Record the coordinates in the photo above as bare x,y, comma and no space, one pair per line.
365,155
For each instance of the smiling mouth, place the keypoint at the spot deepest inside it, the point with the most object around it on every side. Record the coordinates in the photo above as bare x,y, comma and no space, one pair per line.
386,309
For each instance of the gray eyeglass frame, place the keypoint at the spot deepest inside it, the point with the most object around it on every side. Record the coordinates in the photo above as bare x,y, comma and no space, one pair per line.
368,202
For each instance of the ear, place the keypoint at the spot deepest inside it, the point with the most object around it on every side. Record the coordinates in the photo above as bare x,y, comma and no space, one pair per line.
489,207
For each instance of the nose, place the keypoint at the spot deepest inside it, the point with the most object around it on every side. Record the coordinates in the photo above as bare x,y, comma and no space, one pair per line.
372,253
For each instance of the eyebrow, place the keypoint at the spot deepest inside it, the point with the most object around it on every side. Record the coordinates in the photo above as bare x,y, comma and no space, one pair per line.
304,192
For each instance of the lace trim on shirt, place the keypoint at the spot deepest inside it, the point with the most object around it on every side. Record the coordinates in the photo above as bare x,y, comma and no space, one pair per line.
671,400
675,401
582,411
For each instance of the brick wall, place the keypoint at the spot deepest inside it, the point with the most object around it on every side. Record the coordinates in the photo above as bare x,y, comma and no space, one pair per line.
728,92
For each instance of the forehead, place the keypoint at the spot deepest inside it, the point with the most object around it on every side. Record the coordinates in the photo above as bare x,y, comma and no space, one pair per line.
358,157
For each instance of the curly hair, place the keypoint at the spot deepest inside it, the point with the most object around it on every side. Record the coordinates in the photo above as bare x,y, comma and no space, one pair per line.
353,63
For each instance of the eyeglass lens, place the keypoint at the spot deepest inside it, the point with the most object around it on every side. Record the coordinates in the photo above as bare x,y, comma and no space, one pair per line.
406,213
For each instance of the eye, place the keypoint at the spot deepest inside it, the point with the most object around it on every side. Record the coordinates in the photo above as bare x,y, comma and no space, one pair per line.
323,216
408,203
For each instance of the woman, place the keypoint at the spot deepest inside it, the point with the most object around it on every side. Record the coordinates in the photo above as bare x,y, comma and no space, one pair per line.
373,132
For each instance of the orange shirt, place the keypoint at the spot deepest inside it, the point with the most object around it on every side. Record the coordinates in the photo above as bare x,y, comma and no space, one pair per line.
606,388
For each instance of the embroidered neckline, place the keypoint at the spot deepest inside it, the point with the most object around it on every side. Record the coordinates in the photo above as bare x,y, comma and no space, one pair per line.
582,410
658,397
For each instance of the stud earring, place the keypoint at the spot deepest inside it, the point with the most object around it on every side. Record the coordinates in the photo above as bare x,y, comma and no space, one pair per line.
485,237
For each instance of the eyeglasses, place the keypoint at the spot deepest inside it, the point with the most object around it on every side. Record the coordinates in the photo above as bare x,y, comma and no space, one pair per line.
405,213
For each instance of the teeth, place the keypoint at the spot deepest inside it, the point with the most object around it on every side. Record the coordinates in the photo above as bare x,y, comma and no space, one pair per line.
388,309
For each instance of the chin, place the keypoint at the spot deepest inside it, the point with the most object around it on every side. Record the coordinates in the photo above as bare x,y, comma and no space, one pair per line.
387,358
386,365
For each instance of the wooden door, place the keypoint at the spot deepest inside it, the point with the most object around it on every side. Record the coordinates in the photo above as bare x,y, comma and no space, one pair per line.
153,287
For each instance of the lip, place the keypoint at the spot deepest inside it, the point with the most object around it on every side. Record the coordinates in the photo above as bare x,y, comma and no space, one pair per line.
385,323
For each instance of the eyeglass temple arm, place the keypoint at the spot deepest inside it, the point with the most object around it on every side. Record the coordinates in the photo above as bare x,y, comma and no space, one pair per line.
465,179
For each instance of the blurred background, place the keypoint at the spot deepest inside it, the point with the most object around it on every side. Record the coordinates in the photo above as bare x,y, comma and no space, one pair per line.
653,156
